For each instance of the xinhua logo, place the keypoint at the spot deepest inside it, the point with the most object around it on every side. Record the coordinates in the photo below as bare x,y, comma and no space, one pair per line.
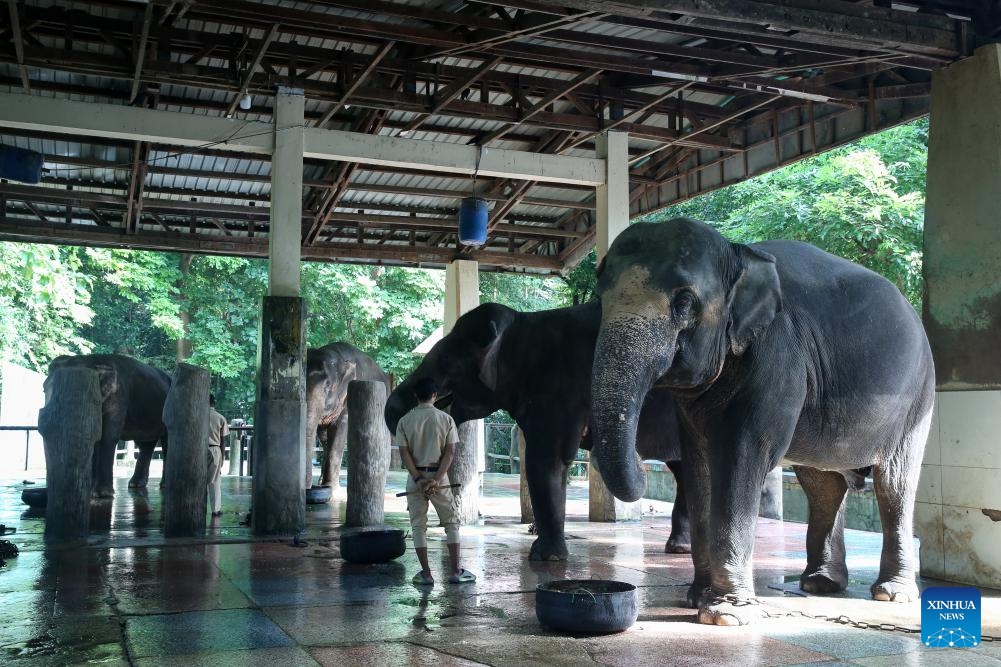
950,617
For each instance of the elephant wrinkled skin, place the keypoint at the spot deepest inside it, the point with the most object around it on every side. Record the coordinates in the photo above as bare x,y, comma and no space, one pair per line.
775,351
537,366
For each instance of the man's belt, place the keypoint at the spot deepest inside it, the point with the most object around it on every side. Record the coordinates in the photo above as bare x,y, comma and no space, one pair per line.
428,468
216,446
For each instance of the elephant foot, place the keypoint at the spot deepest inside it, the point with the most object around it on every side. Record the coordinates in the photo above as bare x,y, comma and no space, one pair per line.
138,483
897,589
697,593
548,550
103,492
731,609
823,582
677,545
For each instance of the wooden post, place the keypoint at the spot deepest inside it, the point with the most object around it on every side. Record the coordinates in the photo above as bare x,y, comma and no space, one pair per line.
527,514
463,471
368,461
186,415
513,451
277,450
70,424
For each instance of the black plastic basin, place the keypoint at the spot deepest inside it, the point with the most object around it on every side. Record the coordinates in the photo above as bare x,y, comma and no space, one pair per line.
317,495
586,606
372,544
37,498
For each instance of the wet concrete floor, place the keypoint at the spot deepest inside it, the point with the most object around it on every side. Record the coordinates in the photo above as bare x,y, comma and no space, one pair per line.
133,597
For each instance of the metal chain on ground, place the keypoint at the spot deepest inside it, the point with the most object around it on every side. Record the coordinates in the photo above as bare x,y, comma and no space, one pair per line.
841,619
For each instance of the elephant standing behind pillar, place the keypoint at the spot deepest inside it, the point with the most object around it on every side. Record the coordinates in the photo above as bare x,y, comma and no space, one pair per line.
329,369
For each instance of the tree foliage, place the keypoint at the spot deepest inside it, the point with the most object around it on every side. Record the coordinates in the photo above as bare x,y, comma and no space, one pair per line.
864,202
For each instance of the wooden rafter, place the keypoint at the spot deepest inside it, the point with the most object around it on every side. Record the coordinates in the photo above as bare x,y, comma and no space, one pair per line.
356,83
254,64
140,53
442,99
18,37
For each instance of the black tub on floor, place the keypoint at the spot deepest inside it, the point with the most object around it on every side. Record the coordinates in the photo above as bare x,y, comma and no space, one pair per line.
372,544
586,606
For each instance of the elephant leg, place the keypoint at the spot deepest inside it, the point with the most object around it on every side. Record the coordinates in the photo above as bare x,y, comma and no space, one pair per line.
333,453
103,467
751,438
141,475
698,488
895,482
680,540
825,491
546,464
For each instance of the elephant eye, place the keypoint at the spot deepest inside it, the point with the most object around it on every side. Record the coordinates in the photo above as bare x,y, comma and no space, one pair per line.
683,304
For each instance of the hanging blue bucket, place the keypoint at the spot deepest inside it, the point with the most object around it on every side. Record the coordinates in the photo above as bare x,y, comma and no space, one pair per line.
473,215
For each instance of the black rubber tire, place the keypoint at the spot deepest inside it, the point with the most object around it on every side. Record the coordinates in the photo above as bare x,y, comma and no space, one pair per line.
318,495
37,498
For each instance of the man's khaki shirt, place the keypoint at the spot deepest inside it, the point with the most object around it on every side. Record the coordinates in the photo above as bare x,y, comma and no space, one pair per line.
425,431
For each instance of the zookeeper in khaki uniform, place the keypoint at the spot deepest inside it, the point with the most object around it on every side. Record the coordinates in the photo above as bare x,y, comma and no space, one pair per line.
218,429
427,438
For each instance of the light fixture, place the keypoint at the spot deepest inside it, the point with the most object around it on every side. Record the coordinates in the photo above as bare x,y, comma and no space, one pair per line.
246,102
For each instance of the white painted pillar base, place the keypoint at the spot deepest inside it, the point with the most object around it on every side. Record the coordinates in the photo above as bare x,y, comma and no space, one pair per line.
462,294
957,515
612,213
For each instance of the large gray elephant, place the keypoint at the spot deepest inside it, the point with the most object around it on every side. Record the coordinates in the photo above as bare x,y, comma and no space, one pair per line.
329,369
133,395
773,351
537,366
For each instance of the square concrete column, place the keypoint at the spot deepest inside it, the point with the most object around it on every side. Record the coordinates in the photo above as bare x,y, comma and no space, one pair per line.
958,513
285,235
462,294
612,211
279,498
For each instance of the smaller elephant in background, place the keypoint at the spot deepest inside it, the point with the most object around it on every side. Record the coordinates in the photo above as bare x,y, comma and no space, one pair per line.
329,369
133,394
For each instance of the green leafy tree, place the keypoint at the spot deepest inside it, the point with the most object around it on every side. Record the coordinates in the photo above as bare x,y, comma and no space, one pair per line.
864,202
44,302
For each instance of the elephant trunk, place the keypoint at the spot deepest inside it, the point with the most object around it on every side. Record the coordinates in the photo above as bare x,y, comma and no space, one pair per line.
625,368
397,405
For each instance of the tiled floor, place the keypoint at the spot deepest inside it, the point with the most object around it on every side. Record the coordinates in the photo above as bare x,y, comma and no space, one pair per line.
132,597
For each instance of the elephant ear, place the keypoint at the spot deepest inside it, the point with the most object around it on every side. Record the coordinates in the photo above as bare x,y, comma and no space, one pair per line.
488,360
755,299
109,379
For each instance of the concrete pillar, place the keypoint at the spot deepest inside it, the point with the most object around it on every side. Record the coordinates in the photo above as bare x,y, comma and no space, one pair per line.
279,497
771,495
369,444
612,211
285,235
186,416
958,513
462,294
462,290
235,453
70,424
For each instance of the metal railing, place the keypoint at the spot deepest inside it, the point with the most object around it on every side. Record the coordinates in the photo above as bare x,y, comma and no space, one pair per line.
27,439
